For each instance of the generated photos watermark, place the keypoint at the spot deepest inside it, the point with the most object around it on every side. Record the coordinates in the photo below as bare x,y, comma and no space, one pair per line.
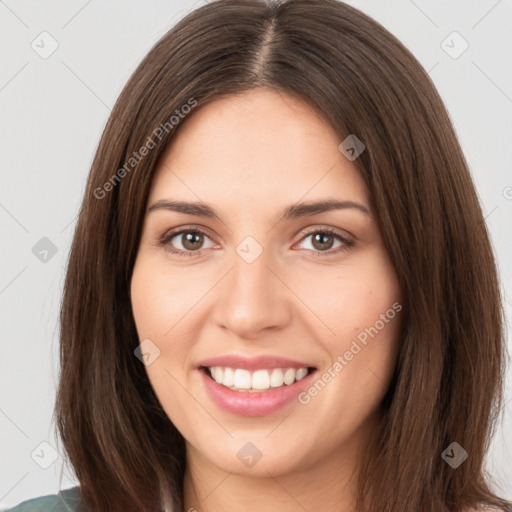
149,144
343,360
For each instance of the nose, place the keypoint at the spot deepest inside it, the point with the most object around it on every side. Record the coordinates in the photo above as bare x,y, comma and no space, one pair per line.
253,298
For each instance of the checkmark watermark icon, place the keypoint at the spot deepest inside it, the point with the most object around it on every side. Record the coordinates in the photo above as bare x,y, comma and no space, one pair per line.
45,45
44,455
249,454
454,455
454,45
249,249
352,147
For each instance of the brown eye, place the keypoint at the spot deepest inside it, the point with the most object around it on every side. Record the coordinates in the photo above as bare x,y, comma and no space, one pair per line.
185,242
192,240
322,241
327,241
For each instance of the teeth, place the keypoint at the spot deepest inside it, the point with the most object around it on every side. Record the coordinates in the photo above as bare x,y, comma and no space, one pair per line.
289,376
217,374
301,373
229,377
242,379
276,378
260,380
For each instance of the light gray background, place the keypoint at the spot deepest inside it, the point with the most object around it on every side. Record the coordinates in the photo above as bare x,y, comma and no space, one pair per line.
52,114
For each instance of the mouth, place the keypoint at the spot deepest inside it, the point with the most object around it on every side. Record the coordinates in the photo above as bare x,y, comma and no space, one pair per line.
256,381
255,392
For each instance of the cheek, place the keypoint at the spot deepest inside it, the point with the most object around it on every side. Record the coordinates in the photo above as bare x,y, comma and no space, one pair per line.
353,297
361,307
157,313
160,304
160,301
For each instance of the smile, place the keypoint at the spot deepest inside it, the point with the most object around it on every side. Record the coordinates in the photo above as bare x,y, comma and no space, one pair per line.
243,380
253,390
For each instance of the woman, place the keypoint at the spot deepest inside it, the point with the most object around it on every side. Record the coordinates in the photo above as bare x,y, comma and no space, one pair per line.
281,290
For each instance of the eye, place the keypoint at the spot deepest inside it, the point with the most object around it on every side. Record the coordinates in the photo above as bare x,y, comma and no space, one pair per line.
324,239
190,240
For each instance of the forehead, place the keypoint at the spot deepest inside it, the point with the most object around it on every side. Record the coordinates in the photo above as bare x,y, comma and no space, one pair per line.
253,149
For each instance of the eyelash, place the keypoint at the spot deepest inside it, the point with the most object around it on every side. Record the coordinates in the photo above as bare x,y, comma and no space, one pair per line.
164,241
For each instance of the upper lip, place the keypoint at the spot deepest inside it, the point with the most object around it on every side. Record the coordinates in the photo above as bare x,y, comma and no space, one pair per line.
254,363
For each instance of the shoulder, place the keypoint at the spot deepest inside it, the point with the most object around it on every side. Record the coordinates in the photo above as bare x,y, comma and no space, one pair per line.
67,500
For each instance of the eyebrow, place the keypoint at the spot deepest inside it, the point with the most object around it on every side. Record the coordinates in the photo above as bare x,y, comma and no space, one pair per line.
293,211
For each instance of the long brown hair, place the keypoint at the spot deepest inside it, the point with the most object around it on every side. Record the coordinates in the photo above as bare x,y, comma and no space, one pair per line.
448,382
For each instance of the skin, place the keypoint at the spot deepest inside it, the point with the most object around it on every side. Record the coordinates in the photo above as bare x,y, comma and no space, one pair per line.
250,156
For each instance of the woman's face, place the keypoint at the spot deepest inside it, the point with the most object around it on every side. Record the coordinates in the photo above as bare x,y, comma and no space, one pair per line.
267,296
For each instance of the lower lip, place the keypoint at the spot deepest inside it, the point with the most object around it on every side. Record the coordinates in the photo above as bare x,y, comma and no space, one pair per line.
257,403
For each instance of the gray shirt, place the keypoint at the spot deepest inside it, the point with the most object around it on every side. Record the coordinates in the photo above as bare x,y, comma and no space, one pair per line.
67,500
